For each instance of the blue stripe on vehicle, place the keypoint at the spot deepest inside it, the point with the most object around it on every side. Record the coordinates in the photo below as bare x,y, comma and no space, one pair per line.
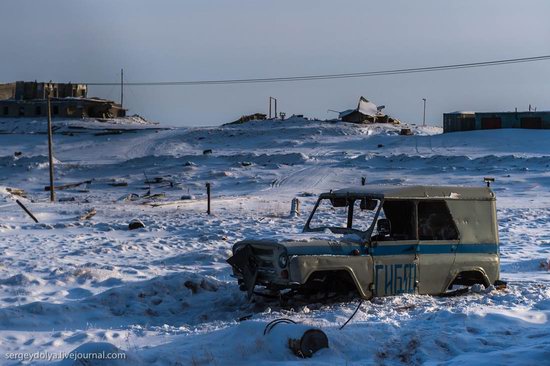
401,249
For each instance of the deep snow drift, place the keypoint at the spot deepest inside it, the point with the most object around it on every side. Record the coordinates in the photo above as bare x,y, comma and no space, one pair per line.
163,294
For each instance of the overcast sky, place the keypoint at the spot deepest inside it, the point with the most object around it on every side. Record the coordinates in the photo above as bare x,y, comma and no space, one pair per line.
167,40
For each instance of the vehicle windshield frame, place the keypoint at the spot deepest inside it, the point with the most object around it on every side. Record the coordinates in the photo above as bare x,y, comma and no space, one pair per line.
365,234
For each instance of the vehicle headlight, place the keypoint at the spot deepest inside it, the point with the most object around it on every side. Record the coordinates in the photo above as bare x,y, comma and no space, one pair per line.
283,260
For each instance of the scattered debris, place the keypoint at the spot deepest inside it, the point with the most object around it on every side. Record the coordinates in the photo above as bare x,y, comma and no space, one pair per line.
87,215
67,186
312,341
155,180
352,315
248,118
204,285
111,132
129,197
273,323
168,203
295,207
27,211
17,192
66,199
136,224
309,343
406,132
154,196
405,307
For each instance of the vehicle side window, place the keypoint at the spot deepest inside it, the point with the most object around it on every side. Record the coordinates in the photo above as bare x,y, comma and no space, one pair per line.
435,221
401,217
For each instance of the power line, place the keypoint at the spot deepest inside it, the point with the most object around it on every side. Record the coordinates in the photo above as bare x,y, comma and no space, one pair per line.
334,76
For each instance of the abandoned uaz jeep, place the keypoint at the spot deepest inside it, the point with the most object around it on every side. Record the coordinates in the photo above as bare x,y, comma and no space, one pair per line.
381,241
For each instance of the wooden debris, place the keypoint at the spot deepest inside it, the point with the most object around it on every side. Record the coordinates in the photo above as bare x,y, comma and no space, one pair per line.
168,203
157,180
67,199
153,196
295,207
27,211
113,132
67,186
17,192
88,215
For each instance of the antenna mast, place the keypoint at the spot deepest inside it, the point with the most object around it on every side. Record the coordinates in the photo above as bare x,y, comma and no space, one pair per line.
122,87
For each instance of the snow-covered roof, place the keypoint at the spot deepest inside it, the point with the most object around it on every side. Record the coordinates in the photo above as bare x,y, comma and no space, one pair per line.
365,107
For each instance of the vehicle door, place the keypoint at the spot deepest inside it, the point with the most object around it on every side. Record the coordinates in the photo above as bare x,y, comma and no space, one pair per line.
394,249
438,243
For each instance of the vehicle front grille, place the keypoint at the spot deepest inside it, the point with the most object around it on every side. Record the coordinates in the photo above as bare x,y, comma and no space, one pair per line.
265,257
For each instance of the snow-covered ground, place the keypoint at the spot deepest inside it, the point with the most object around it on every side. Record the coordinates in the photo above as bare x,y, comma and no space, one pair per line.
164,295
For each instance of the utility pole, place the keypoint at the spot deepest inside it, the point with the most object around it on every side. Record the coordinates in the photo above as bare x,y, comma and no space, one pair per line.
121,87
208,211
50,146
274,100
424,117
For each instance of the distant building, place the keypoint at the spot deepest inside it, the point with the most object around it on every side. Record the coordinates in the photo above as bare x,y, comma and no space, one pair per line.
468,121
29,99
366,112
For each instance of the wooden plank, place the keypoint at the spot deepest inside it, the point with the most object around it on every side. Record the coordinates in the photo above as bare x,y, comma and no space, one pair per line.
67,186
87,215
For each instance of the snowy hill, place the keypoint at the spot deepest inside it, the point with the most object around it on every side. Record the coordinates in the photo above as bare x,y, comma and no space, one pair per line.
164,294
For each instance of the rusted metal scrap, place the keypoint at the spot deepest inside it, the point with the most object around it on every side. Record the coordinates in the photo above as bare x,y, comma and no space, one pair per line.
304,346
312,341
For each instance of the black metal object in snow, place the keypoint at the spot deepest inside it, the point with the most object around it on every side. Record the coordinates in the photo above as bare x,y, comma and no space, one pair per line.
27,211
310,342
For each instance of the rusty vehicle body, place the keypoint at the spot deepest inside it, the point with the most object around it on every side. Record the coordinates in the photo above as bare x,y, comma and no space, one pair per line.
381,241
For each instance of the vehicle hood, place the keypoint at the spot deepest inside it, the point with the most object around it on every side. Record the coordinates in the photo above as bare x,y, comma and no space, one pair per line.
307,244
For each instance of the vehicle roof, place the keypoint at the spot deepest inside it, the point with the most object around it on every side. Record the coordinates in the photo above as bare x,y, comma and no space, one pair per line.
415,192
